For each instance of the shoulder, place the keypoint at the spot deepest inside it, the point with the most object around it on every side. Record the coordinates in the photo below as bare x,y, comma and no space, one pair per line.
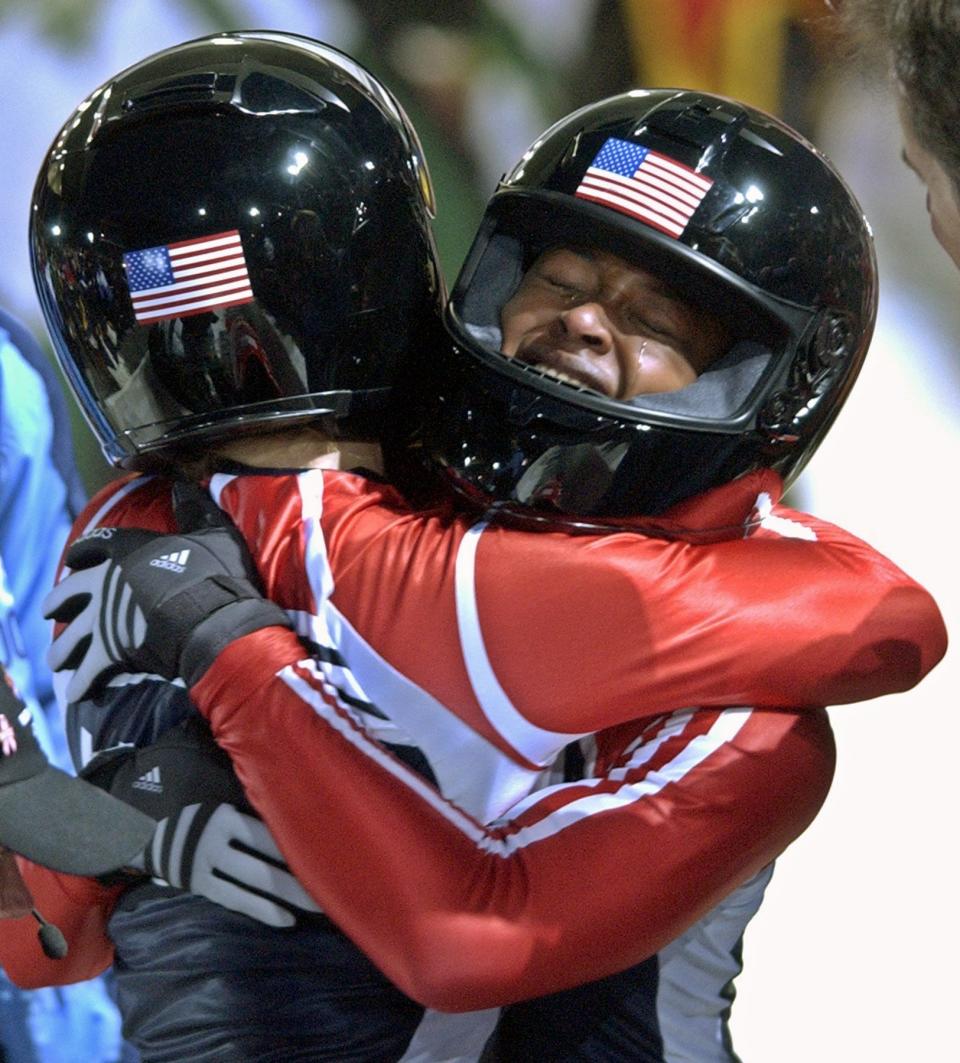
131,501
331,498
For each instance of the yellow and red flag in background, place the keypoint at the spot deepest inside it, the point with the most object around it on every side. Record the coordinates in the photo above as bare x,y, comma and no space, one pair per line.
731,47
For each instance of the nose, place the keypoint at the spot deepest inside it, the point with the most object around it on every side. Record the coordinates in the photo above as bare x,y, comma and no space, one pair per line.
587,323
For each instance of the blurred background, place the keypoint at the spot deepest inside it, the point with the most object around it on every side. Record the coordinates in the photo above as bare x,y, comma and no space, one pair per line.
851,955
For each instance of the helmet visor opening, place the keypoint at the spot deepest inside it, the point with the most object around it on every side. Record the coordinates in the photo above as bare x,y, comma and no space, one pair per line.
725,394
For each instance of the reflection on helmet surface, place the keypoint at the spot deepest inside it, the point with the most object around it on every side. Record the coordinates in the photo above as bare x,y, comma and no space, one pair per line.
296,154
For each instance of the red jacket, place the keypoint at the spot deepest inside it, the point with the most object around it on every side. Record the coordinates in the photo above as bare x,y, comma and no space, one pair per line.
490,649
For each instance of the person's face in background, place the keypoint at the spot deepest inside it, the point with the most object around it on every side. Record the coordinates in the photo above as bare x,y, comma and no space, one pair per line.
942,203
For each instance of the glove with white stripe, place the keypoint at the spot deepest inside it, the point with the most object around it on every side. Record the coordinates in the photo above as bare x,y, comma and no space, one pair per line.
230,858
206,841
165,605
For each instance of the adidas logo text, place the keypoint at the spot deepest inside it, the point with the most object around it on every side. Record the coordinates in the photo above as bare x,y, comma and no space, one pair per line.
175,562
150,781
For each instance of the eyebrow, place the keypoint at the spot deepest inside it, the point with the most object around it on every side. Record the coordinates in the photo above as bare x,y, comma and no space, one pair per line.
667,293
673,302
659,286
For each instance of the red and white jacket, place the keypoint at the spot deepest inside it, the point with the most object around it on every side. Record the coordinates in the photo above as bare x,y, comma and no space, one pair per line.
698,668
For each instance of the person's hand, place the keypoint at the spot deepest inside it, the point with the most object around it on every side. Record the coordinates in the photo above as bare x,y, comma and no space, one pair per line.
165,605
206,841
219,852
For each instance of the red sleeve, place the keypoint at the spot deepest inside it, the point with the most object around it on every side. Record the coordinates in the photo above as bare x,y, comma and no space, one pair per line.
586,632
80,907
587,879
639,626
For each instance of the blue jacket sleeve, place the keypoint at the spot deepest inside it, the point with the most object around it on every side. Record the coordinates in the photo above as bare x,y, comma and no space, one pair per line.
39,487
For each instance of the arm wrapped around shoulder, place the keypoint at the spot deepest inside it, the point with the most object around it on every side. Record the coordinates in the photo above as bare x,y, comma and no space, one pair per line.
164,605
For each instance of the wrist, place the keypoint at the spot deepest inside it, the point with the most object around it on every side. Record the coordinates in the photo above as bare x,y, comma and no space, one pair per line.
250,663
213,635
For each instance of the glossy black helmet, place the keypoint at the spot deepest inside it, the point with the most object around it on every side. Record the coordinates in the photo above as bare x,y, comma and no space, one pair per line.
233,234
729,207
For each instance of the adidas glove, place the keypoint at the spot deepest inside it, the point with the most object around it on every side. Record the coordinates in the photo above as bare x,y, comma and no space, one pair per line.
220,853
160,604
206,841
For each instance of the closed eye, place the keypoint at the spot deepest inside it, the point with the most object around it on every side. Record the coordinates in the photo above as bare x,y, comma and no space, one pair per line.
644,323
563,286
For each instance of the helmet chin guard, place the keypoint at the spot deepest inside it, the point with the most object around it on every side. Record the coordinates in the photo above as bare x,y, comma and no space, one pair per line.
755,226
231,235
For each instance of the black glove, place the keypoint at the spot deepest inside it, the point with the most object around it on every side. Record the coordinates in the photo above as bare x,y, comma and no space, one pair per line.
207,840
161,604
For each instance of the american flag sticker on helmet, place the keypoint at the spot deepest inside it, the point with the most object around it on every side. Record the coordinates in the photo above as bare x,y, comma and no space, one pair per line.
645,184
188,277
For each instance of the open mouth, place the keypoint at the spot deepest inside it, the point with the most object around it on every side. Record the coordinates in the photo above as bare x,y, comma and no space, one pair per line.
559,374
563,366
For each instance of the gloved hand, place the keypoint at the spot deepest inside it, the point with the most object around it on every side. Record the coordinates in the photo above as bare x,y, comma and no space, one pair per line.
160,604
230,858
206,841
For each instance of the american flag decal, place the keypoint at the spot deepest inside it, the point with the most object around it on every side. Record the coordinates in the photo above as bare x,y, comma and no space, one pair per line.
644,184
188,277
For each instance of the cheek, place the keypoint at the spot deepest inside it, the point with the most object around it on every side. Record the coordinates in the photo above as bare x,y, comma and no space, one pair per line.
516,320
659,368
663,369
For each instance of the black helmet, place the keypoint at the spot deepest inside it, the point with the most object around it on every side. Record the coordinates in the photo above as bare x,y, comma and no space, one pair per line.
729,207
231,234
